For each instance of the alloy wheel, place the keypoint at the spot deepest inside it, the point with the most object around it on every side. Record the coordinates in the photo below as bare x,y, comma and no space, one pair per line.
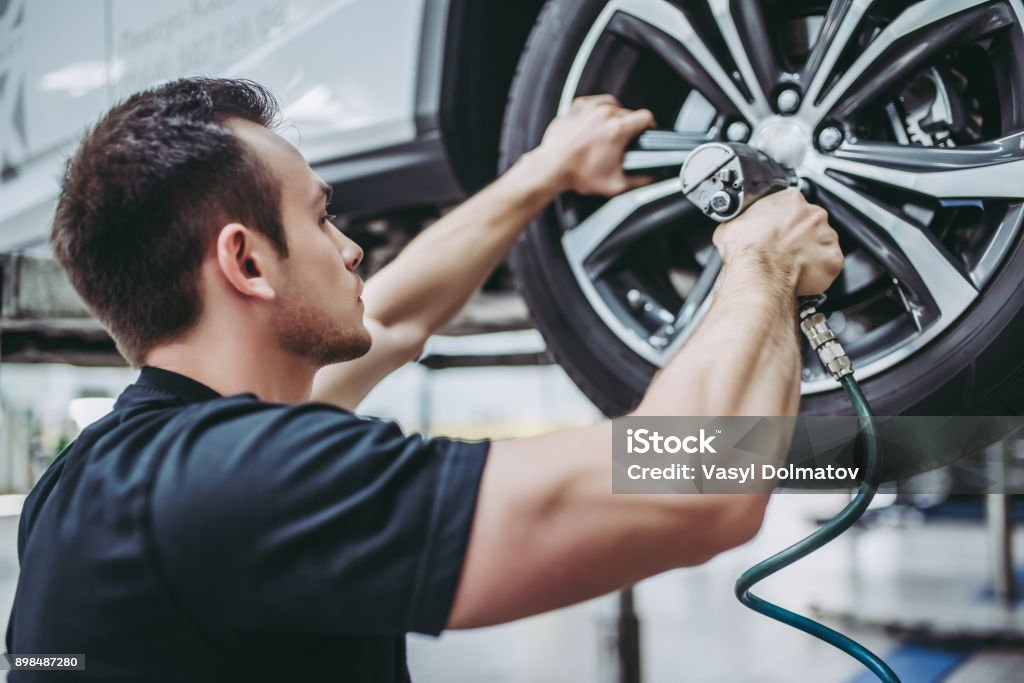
905,119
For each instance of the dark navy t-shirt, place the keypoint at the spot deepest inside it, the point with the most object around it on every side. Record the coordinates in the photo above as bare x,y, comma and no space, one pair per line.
188,536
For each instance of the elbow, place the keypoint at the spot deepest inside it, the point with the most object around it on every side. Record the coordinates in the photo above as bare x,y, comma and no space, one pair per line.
740,520
405,342
413,348
736,520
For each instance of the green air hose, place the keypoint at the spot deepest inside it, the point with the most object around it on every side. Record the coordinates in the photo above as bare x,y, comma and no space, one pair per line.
815,326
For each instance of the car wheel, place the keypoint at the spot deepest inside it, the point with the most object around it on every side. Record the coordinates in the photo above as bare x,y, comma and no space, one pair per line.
905,120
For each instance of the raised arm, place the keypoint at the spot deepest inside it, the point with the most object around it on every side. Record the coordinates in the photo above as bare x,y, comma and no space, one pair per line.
439,271
548,531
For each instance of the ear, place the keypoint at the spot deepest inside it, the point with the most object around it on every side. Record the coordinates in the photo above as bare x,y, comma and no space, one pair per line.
244,260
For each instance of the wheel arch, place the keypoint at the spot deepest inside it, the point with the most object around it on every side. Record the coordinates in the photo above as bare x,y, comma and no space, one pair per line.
482,43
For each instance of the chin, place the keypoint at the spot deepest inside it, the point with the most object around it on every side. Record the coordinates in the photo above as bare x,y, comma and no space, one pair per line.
363,345
325,350
352,345
310,332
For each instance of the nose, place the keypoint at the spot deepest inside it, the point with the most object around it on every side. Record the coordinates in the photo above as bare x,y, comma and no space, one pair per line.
351,253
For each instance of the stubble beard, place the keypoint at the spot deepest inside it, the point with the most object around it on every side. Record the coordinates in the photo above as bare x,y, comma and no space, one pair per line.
306,331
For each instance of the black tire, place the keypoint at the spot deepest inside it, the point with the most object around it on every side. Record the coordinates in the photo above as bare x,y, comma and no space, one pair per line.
974,367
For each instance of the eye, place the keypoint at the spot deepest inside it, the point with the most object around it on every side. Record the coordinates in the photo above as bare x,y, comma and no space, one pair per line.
327,218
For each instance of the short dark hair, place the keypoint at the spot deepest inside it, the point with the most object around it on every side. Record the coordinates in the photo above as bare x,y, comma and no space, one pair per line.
144,195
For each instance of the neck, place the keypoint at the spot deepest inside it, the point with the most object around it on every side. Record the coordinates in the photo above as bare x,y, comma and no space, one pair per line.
229,365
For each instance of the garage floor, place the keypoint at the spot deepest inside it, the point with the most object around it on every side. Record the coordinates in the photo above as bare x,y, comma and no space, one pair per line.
693,629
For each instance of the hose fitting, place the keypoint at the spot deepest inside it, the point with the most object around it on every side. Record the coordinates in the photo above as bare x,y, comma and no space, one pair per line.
822,339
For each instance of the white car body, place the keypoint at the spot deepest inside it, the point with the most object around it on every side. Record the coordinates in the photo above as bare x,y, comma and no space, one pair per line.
64,63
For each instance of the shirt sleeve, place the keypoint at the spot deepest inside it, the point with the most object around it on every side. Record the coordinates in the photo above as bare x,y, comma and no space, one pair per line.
313,520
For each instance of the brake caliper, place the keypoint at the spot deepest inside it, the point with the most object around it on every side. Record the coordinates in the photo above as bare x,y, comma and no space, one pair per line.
934,108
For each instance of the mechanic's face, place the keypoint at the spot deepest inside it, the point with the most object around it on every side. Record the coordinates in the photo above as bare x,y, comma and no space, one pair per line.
318,313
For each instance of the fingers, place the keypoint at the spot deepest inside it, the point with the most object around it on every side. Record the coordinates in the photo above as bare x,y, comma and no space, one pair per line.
633,122
591,101
636,181
590,140
836,260
636,122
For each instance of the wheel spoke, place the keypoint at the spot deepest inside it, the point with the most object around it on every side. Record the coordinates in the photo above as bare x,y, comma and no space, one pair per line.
841,21
988,172
890,259
662,149
759,76
920,31
701,290
698,301
947,287
927,159
674,210
581,242
665,29
641,160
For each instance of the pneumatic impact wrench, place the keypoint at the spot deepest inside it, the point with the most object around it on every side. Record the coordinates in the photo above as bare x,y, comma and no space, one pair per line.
723,180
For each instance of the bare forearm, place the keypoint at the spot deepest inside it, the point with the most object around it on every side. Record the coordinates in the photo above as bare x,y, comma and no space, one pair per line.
540,542
743,360
438,272
582,150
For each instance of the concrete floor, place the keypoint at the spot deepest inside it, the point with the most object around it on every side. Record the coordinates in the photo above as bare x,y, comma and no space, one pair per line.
694,630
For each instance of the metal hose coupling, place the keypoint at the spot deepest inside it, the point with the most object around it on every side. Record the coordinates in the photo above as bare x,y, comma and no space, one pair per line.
822,339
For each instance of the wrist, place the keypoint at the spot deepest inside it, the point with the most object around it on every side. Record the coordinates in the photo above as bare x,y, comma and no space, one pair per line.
547,171
767,267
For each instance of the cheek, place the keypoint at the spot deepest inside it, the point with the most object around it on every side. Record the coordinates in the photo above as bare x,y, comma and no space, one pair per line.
318,270
330,252
323,258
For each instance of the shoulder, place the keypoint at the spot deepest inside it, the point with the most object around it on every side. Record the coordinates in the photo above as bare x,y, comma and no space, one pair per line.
231,453
242,437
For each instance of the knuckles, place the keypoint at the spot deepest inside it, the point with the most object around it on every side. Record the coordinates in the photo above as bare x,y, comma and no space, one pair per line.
839,261
617,128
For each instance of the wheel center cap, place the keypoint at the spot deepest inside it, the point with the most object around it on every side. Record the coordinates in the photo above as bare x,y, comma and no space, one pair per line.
783,140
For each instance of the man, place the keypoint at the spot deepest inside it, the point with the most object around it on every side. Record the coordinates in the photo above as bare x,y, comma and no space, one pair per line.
218,525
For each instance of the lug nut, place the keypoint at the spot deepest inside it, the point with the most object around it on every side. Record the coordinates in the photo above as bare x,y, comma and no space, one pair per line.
830,138
738,131
788,101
